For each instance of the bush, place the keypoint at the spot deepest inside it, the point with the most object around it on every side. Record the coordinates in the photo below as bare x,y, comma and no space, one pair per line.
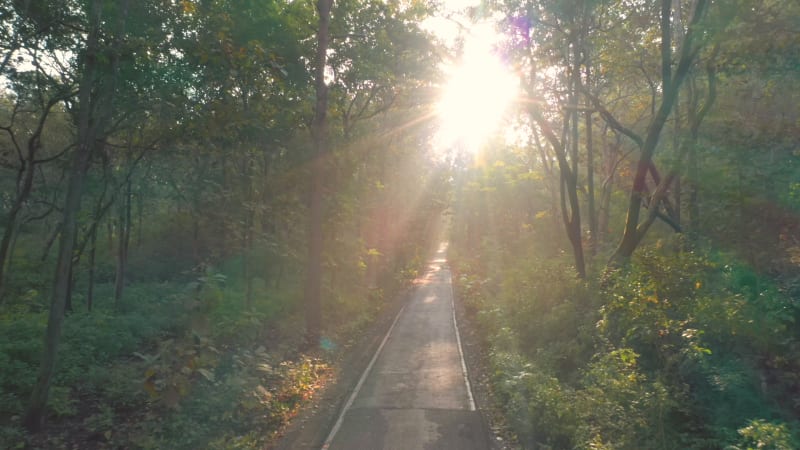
20,354
677,350
760,434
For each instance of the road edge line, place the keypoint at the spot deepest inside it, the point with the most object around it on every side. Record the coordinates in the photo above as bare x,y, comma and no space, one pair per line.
470,397
360,384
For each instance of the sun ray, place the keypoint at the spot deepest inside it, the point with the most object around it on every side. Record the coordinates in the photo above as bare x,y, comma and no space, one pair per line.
478,92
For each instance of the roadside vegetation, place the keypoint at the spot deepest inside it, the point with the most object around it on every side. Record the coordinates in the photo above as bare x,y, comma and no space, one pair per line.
628,302
157,163
203,201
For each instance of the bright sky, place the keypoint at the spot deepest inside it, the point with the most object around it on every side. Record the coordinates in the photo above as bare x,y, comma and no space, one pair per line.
479,88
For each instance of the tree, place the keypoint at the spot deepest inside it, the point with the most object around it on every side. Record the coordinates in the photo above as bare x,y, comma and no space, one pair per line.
552,79
671,82
95,108
319,132
28,159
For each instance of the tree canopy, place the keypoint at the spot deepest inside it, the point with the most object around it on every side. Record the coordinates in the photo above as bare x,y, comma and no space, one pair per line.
203,201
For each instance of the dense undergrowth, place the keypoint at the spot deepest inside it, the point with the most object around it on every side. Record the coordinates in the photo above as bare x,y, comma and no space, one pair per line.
681,349
182,364
182,368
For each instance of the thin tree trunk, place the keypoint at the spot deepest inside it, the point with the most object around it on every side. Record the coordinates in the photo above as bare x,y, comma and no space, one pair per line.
92,253
119,273
573,224
590,185
124,236
50,241
34,414
676,146
694,131
320,135
692,169
677,19
634,231
551,177
139,216
247,244
26,174
70,284
247,269
8,234
568,188
612,157
110,236
122,257
87,134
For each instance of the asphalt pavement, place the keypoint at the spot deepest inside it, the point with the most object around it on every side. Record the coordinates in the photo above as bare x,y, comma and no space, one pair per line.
415,393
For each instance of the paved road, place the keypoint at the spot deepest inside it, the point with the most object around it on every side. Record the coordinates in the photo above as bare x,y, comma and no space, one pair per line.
415,393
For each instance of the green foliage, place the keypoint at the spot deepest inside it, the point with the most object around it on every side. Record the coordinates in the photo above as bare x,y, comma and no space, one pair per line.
193,215
667,353
760,434
540,408
240,404
618,407
61,403
20,351
102,422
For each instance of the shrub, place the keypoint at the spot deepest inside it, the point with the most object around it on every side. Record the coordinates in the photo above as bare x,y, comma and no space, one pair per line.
760,434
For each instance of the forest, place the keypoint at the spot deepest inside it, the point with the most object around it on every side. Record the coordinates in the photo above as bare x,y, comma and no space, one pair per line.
204,203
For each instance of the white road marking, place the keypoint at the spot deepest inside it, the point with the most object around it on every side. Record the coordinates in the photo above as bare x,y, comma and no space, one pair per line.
360,383
470,398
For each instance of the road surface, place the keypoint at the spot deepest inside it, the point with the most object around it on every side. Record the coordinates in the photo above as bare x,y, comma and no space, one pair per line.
415,393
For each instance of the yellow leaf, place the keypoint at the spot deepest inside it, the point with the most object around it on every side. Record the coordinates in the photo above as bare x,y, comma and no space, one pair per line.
150,387
188,7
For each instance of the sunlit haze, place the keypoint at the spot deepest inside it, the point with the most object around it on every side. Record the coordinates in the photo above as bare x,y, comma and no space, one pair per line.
478,90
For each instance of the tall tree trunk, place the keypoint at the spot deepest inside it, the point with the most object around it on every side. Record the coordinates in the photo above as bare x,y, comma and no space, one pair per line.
123,240
99,211
319,130
10,229
80,162
570,206
70,285
676,143
88,131
634,231
612,157
590,185
550,175
692,170
110,236
247,238
124,236
50,241
695,119
139,215
677,15
573,223
92,253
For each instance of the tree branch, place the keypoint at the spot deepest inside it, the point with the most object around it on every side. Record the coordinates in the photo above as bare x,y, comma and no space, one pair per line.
610,119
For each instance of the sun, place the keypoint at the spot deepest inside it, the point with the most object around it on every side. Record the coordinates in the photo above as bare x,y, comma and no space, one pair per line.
479,90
